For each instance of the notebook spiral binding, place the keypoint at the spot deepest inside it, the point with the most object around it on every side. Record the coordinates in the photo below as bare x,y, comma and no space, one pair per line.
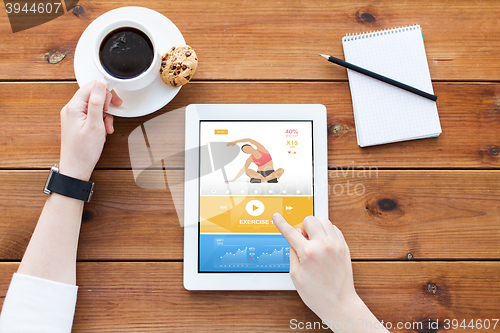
366,35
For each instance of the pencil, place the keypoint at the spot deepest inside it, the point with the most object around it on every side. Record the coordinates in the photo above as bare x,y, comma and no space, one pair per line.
379,77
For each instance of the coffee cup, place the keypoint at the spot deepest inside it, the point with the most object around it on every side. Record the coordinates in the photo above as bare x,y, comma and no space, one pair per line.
126,56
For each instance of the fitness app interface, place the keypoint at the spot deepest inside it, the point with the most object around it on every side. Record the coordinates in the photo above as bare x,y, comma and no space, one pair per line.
250,170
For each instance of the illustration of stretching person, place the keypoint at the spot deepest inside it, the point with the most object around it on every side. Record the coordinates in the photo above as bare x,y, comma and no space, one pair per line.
261,157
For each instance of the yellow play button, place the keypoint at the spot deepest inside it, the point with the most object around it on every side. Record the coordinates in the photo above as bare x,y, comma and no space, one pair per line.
255,207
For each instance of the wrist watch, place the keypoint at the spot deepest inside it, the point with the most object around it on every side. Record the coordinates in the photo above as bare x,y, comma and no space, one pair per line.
68,186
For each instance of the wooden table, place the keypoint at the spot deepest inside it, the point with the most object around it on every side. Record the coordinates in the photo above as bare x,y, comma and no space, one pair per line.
424,235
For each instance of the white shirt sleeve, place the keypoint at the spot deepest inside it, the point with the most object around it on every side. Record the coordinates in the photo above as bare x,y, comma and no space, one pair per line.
38,305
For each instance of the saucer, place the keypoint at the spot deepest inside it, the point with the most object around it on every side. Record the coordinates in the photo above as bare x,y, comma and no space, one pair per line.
138,102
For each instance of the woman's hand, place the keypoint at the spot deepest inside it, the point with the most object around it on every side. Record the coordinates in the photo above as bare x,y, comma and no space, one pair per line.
320,265
84,125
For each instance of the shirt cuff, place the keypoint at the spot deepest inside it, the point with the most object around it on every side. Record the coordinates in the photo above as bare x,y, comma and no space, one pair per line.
34,304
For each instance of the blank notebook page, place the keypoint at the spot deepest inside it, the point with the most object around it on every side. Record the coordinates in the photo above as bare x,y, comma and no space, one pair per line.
384,113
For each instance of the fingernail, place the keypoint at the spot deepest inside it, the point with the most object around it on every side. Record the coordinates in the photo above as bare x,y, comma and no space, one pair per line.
99,88
276,215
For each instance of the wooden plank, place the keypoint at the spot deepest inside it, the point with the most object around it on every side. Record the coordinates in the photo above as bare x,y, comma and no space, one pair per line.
136,224
269,40
149,297
384,215
469,113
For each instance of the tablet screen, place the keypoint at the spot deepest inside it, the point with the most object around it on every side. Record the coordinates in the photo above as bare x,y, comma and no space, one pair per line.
256,168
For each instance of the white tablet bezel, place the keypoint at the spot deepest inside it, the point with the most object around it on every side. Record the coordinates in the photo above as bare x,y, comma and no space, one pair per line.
193,280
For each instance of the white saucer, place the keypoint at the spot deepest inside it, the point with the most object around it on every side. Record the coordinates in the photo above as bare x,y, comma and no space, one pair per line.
140,102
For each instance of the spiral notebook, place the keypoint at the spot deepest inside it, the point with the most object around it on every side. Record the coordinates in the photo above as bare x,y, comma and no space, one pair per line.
384,113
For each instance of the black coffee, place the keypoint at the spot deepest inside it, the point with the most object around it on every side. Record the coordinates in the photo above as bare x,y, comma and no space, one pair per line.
126,53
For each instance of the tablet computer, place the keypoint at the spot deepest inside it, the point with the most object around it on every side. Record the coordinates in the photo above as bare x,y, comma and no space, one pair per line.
244,163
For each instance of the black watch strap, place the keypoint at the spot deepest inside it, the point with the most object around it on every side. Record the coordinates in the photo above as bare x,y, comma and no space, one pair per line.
68,186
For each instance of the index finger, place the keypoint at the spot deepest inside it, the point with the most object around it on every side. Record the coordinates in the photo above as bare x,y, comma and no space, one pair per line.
292,235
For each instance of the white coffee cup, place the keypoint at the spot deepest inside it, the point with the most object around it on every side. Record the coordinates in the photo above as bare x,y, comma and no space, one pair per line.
135,83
